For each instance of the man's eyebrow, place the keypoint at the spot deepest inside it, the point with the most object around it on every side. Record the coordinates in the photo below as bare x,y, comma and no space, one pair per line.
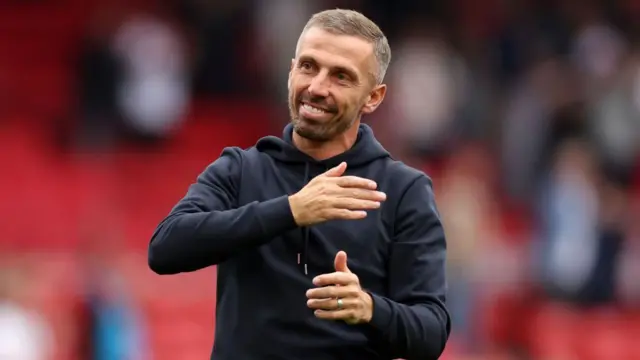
338,68
306,58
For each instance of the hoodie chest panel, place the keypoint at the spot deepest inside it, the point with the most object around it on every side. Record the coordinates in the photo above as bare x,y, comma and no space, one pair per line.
264,181
366,241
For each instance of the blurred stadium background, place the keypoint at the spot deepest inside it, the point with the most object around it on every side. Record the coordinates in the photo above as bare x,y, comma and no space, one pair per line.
525,113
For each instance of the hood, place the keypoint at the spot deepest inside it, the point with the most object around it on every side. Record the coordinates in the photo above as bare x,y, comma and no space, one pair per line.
365,150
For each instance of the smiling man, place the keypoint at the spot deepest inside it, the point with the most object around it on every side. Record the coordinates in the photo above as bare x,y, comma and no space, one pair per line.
326,247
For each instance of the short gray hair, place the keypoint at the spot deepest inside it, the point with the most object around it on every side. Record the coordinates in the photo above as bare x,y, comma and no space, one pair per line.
353,23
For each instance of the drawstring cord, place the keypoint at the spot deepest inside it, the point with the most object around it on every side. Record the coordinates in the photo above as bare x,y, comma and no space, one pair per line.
305,231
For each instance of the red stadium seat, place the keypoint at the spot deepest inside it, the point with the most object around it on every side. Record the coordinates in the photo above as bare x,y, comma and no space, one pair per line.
553,333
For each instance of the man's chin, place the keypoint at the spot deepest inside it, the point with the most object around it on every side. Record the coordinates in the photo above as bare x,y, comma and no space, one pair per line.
310,132
316,122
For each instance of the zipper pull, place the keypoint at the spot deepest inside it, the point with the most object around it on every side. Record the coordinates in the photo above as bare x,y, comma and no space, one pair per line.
298,258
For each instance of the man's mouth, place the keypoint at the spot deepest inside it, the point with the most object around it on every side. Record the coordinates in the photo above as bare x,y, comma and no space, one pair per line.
313,109
313,112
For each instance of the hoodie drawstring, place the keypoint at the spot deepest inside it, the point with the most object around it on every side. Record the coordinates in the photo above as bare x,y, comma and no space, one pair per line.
305,231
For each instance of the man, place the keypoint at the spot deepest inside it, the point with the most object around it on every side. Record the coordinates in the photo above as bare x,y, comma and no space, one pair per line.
280,218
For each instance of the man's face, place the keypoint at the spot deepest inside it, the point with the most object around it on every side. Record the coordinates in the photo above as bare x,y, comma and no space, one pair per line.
331,84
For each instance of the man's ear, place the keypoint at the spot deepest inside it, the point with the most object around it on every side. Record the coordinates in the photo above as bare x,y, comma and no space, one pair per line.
374,99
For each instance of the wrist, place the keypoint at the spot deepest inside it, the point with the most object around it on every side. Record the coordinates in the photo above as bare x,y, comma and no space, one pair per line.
294,209
368,301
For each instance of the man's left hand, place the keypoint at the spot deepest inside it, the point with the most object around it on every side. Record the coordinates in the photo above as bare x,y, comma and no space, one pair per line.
339,295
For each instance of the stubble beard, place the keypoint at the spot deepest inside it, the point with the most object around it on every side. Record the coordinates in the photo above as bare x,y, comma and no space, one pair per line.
315,131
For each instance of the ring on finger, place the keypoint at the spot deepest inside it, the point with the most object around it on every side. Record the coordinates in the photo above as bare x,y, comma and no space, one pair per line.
339,303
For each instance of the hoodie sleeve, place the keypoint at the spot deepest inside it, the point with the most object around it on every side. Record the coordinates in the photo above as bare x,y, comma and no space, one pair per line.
413,318
206,227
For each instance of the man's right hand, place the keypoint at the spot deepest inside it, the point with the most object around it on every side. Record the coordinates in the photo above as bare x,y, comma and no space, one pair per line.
331,196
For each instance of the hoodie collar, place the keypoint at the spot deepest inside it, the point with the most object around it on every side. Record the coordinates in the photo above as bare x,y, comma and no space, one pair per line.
365,150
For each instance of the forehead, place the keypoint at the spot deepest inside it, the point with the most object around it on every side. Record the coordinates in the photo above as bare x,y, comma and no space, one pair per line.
336,50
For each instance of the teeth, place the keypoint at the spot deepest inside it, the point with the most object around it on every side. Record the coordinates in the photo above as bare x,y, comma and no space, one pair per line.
313,109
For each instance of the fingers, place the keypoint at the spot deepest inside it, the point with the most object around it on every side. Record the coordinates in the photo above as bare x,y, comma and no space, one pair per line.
338,297
363,194
335,171
344,214
349,209
335,278
340,262
336,197
355,204
344,314
351,203
332,304
355,182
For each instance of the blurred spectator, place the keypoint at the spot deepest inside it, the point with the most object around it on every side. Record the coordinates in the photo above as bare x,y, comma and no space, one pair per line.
24,334
99,73
628,271
469,217
597,46
154,92
110,325
483,264
428,79
276,21
585,218
614,118
220,29
534,118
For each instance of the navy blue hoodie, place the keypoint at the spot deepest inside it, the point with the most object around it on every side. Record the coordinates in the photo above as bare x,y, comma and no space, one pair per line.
237,216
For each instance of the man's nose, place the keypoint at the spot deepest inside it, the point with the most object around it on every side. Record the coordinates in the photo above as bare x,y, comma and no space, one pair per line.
319,85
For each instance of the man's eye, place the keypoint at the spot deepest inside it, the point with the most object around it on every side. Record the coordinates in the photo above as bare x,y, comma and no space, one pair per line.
342,76
305,65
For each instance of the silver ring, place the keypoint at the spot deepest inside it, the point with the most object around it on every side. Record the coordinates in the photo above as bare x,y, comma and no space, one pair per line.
339,303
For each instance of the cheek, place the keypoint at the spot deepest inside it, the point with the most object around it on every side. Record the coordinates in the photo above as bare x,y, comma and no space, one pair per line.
297,84
352,105
362,102
293,95
295,89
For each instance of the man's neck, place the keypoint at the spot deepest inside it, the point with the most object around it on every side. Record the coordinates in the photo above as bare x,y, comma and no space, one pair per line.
322,150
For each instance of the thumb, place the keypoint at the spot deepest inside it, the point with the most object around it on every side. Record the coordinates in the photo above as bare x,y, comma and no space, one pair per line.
336,171
340,262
